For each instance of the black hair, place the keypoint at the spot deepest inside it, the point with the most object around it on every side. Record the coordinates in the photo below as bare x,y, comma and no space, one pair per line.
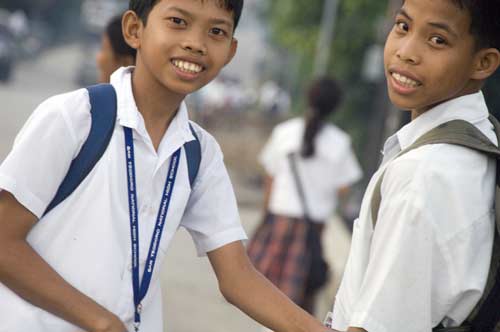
324,95
485,21
143,7
115,36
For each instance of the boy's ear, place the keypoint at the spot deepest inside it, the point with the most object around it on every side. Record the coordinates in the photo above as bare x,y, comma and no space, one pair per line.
132,27
486,63
232,50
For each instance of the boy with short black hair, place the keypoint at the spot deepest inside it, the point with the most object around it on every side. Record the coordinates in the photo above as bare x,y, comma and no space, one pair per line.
89,263
421,260
114,51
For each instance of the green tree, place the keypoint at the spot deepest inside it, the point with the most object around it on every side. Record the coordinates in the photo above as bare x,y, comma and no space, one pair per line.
295,27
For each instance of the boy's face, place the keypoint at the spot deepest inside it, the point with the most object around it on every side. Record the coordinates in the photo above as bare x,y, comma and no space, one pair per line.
186,43
429,55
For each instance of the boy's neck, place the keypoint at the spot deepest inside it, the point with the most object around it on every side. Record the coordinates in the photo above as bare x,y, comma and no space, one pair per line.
157,105
415,113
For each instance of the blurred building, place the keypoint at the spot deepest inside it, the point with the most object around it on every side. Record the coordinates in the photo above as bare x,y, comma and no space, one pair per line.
252,46
95,14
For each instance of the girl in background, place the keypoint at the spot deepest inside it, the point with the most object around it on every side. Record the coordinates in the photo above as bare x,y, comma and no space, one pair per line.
309,163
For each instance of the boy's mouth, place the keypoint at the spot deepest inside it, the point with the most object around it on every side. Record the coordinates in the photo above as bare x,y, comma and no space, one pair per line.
404,80
187,67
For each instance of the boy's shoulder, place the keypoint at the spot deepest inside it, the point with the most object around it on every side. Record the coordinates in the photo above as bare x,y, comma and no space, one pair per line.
73,107
434,161
72,99
66,111
438,179
209,145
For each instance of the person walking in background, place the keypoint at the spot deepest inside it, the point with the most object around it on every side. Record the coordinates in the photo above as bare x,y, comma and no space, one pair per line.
114,52
309,163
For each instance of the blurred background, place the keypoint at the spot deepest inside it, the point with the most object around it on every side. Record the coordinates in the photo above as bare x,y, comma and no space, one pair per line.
49,46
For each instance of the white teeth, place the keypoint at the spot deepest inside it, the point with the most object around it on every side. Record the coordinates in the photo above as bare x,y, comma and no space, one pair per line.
406,81
187,66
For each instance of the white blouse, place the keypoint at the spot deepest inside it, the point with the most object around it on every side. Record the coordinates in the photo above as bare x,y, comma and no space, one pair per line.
332,167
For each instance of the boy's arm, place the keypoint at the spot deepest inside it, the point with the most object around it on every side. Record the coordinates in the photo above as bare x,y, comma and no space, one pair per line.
252,293
28,275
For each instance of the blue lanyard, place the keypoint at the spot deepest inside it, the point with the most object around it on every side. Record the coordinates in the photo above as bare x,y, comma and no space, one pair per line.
141,289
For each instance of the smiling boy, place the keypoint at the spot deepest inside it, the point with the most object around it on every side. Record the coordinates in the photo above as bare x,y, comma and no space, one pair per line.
89,264
421,260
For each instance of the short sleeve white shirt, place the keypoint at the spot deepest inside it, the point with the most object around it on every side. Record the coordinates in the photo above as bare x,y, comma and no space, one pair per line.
333,166
427,260
86,238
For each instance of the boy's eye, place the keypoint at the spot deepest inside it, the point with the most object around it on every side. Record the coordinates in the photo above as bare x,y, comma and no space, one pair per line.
177,21
402,26
218,32
438,40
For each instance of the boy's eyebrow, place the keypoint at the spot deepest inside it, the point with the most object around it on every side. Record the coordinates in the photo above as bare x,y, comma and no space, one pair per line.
213,20
438,25
403,12
443,26
222,21
180,10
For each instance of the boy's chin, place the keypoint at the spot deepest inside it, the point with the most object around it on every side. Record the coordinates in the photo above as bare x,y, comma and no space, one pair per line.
182,88
401,103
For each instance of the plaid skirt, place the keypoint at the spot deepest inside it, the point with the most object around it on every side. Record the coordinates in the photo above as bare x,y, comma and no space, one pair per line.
278,250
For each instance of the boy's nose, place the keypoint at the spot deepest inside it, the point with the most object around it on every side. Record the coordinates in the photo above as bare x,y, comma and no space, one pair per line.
408,52
405,57
194,47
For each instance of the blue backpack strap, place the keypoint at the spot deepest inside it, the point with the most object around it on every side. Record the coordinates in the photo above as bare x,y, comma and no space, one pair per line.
193,156
102,99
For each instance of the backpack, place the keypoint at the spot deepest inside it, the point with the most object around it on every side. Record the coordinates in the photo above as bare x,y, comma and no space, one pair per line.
486,315
103,111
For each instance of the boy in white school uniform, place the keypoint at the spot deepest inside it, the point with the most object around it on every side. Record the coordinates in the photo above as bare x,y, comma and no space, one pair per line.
82,266
425,263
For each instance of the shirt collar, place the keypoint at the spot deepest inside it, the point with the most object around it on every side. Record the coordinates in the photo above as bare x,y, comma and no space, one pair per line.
128,114
471,108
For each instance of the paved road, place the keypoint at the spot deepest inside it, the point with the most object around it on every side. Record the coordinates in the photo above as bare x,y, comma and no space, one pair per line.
192,300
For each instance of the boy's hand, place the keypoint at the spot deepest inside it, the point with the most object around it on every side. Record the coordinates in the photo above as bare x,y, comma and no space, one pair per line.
27,274
248,290
110,324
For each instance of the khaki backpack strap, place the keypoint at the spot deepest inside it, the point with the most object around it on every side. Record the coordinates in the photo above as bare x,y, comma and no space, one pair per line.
456,132
486,314
466,328
496,125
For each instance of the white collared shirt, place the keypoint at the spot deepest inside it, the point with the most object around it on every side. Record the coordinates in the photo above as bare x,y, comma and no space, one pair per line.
428,258
86,239
333,166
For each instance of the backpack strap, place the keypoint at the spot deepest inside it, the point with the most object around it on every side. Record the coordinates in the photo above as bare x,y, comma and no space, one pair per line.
102,99
193,156
456,132
103,111
485,315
